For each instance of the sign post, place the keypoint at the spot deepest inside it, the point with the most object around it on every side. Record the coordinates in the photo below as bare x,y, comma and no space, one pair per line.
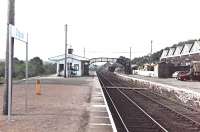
26,90
21,36
10,76
10,20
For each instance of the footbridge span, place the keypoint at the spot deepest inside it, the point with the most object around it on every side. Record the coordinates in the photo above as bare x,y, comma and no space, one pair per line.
102,59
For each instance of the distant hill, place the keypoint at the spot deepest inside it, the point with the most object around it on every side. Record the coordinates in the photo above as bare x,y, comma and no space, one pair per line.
155,57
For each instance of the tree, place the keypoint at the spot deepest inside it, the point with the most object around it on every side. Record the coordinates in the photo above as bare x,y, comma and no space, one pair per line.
126,63
49,68
2,69
18,68
154,58
36,67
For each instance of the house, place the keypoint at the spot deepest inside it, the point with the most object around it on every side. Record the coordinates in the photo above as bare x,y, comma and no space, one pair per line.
76,65
182,55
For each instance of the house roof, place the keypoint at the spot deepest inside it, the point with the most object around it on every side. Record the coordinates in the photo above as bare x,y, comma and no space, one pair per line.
182,48
165,53
72,56
171,51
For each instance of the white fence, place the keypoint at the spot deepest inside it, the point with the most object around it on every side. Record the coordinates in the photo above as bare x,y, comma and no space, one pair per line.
146,73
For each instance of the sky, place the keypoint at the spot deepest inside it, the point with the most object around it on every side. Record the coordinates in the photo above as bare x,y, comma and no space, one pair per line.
105,28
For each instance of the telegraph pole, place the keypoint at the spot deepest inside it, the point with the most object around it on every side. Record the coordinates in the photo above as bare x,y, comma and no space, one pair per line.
151,46
10,20
65,68
151,51
130,53
130,71
84,52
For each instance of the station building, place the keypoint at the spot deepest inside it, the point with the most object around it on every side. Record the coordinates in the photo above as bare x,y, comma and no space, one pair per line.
76,65
182,55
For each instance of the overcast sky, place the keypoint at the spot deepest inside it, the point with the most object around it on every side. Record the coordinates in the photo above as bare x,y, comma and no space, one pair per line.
103,27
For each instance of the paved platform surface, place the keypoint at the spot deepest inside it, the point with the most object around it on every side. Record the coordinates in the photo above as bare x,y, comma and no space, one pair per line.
189,85
65,105
100,116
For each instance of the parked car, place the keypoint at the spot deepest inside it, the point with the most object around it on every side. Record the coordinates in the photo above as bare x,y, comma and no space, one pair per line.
175,74
184,75
192,74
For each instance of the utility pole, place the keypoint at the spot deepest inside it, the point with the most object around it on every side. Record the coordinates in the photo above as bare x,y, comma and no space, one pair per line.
65,68
151,46
130,71
10,20
151,51
130,53
84,52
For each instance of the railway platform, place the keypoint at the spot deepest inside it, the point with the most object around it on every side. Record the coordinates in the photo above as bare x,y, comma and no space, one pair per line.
65,104
189,85
186,92
100,115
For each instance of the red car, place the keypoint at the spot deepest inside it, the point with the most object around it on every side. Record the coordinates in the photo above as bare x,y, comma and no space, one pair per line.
183,75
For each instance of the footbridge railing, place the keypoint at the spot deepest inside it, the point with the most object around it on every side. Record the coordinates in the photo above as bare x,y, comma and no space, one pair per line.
102,59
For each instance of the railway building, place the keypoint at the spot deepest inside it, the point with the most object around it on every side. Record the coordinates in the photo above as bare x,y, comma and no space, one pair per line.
76,65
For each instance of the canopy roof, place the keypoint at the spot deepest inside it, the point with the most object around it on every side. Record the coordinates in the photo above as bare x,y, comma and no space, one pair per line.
72,56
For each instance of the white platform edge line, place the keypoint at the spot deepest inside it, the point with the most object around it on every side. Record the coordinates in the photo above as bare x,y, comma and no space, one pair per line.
100,124
101,117
108,110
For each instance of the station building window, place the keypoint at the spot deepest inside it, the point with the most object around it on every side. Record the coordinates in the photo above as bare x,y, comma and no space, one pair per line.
76,67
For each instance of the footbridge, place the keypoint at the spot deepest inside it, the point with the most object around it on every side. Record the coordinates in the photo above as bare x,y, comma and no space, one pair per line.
102,59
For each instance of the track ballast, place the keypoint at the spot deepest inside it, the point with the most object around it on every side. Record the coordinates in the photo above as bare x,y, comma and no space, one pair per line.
135,111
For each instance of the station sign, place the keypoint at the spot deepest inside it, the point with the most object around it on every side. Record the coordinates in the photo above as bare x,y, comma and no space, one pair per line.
21,36
18,34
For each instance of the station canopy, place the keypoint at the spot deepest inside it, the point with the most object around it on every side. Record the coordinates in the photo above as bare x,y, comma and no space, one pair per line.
72,56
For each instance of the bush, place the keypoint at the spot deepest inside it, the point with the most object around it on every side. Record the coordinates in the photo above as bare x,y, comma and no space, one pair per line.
36,68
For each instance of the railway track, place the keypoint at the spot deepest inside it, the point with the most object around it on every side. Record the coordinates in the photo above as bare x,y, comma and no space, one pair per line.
135,111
